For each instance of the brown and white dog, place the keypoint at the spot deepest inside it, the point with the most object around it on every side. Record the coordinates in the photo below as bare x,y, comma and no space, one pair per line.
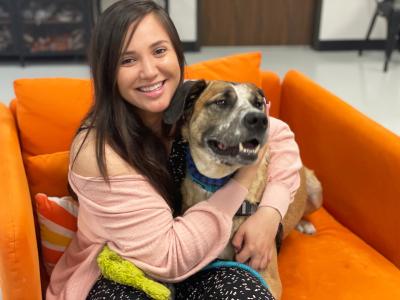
225,125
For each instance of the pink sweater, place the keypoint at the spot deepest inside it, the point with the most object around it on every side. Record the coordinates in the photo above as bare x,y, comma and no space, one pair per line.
135,221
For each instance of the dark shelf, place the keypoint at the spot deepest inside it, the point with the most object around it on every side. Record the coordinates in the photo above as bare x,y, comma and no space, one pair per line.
7,53
44,29
51,23
54,53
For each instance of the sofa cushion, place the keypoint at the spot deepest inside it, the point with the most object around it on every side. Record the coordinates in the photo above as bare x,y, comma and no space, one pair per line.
47,173
49,111
57,218
237,68
334,264
356,159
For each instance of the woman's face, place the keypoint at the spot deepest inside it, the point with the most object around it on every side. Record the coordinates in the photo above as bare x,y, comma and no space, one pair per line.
149,72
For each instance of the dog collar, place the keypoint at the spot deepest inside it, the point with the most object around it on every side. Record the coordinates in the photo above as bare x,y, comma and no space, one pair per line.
206,183
246,209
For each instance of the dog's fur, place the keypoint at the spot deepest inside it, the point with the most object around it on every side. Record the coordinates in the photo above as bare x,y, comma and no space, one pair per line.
217,117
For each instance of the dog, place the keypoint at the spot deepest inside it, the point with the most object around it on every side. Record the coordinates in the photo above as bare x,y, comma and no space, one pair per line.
226,125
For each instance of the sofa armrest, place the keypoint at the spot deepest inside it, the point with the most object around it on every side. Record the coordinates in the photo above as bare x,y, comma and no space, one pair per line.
271,85
356,159
19,265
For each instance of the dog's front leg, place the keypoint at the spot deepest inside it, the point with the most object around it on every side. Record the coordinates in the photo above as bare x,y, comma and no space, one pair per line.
271,276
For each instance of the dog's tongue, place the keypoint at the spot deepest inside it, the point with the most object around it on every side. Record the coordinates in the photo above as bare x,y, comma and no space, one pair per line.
227,150
221,146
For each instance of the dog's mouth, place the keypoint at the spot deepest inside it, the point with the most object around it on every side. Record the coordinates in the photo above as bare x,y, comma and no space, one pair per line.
247,150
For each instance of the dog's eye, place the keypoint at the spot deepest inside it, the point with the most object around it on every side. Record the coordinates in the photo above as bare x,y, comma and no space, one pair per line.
258,105
221,102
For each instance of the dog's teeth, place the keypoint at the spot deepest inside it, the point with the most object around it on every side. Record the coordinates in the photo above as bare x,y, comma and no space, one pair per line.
242,149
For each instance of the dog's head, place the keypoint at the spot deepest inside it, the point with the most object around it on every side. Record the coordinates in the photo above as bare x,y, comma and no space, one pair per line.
225,123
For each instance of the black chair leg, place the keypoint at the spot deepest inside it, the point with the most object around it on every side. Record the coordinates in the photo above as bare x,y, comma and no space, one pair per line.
371,25
393,26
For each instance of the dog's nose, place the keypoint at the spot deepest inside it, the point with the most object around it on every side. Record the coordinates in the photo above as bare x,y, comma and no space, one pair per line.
255,121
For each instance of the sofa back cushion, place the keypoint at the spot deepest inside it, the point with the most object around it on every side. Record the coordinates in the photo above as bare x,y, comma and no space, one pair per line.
236,68
49,111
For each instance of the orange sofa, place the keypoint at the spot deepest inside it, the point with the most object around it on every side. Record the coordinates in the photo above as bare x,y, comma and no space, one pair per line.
354,255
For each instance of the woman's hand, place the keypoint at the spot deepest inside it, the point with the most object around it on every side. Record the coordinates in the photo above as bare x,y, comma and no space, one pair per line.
255,238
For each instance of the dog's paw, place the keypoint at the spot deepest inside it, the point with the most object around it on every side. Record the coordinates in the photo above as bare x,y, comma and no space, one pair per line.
306,227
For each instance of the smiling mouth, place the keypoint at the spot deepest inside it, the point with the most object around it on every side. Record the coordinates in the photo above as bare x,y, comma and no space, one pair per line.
248,149
152,88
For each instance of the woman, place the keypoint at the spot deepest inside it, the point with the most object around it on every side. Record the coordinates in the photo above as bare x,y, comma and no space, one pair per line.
119,172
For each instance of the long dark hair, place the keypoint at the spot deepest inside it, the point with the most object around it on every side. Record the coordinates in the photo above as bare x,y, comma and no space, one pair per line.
115,121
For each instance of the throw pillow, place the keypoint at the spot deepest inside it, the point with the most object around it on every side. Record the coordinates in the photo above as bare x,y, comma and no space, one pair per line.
47,173
57,217
49,111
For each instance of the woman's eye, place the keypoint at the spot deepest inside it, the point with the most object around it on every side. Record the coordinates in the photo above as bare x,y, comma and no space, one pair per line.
160,51
128,61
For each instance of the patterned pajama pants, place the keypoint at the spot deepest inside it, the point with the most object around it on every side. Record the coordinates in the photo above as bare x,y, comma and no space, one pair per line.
225,283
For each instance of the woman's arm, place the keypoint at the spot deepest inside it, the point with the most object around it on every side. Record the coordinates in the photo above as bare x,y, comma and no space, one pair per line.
283,178
255,238
136,222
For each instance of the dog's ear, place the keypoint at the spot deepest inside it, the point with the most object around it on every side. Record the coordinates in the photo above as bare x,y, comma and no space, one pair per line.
261,93
183,100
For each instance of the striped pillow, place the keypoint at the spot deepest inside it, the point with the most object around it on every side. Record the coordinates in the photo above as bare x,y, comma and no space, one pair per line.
57,220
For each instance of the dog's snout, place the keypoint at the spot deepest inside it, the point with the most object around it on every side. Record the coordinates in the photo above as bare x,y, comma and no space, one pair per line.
256,121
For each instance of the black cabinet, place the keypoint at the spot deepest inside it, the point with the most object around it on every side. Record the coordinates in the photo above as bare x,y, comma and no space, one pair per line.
7,29
44,28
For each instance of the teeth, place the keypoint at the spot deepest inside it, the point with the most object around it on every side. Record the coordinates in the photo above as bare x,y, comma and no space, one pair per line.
248,151
151,87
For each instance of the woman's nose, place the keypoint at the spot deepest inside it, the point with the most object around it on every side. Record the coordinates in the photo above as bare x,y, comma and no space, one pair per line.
148,69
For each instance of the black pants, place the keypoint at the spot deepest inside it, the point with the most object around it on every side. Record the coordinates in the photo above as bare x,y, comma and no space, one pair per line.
219,283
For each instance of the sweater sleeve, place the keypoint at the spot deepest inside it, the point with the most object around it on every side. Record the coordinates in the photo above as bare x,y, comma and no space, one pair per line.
283,177
135,221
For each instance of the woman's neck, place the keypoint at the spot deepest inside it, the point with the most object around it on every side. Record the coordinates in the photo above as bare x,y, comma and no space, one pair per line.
153,121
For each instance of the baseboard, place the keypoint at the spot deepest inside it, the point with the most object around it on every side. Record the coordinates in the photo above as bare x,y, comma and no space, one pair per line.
349,45
191,46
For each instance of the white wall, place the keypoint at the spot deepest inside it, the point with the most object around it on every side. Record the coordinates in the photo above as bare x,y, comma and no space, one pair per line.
184,15
349,20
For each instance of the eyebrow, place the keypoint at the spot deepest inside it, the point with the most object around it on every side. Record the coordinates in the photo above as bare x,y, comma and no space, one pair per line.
155,44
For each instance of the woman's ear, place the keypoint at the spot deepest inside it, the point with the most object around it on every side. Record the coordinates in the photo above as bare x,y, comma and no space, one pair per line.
183,100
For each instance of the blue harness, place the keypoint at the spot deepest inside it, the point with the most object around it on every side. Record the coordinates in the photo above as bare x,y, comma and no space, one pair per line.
207,183
233,264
